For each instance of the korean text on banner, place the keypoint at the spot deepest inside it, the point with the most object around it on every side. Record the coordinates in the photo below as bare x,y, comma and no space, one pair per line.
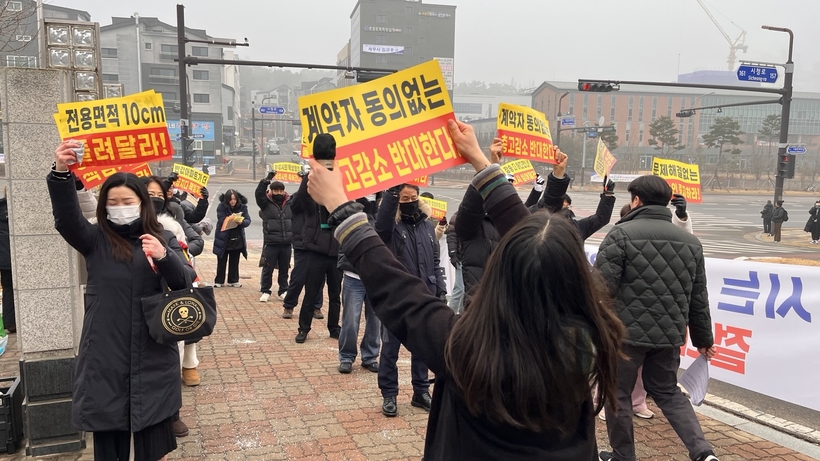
190,179
117,131
521,169
287,172
525,133
683,177
93,177
604,160
388,131
421,182
439,207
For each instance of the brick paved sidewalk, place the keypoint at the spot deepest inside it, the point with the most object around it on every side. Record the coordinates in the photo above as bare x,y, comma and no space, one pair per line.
264,397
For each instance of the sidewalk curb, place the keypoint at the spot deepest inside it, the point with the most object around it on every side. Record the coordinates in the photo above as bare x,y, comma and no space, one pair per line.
797,431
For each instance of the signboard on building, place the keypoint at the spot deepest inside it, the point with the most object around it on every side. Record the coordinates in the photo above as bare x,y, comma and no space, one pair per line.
382,49
446,65
201,130
434,14
393,30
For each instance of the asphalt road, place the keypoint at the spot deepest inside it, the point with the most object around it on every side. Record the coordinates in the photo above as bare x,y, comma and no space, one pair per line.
720,223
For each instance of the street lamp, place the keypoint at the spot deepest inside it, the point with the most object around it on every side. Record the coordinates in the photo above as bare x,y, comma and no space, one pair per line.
558,120
692,112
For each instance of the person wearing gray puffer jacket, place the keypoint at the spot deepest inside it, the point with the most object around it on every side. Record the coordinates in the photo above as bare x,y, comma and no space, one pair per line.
655,271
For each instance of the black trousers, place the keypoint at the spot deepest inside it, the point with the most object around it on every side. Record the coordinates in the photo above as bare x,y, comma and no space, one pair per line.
767,226
320,268
230,259
276,257
297,280
9,319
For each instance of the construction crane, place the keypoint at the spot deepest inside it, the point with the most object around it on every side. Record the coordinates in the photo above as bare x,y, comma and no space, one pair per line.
738,44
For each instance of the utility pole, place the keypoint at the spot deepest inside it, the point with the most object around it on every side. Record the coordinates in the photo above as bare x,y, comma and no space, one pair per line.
784,113
253,136
183,85
558,121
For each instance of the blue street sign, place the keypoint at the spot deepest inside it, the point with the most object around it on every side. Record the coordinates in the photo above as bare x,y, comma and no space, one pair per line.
796,150
757,74
592,134
275,110
568,121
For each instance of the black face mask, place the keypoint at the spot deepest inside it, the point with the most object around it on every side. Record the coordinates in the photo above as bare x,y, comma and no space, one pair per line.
409,208
279,199
159,204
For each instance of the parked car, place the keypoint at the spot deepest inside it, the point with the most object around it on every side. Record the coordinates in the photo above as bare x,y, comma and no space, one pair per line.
243,151
273,148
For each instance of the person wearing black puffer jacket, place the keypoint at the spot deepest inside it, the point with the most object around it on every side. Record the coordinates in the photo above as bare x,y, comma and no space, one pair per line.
230,243
276,214
9,319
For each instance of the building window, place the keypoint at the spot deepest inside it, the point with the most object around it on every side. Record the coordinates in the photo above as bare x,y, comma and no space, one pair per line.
586,106
408,30
15,6
612,100
408,9
468,108
200,75
654,107
640,135
627,135
421,59
108,52
669,108
21,61
168,97
202,98
149,46
640,109
110,78
381,19
408,50
164,72
571,110
169,49
199,50
629,112
421,40
600,99
381,59
230,112
381,39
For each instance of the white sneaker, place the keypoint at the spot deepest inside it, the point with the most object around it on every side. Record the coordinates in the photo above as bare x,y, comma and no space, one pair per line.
602,415
235,285
281,296
264,298
218,285
645,414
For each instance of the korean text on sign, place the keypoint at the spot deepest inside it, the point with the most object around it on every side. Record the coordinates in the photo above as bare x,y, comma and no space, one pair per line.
190,179
604,160
438,207
421,182
525,133
117,131
521,169
684,178
93,177
388,131
287,172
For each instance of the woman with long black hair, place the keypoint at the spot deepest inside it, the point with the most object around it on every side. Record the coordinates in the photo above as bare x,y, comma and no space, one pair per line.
515,371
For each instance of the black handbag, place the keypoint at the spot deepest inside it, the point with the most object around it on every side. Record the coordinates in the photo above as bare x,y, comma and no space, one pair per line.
180,315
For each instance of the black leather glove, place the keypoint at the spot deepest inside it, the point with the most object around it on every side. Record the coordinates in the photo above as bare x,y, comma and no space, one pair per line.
204,193
395,190
679,202
609,187
271,175
454,259
302,173
443,221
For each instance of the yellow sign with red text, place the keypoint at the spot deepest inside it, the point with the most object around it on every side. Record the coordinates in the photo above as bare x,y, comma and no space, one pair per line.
388,131
604,160
438,207
190,180
525,133
117,131
684,178
521,169
287,172
93,177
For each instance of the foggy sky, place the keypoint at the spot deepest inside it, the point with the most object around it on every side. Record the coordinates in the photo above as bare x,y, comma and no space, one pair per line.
527,41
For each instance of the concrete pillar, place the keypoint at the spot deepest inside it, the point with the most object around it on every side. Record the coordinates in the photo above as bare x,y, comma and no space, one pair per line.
49,306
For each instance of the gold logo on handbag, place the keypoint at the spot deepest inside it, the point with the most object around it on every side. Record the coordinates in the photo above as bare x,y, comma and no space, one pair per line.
183,315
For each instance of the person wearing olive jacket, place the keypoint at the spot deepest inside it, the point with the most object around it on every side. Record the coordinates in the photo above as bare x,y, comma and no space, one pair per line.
277,216
656,273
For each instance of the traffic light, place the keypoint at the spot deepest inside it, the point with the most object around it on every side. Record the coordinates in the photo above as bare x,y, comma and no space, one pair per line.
363,76
785,166
597,87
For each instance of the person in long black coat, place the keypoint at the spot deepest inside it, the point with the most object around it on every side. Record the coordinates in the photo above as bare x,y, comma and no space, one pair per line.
230,243
812,225
9,319
125,382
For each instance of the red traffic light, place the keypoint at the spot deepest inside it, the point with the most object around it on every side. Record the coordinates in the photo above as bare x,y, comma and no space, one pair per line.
597,87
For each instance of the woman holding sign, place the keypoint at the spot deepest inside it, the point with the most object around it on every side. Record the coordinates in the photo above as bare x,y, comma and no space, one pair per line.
514,373
229,240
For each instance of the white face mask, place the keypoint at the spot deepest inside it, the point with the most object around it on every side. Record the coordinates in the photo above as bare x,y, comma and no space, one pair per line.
121,215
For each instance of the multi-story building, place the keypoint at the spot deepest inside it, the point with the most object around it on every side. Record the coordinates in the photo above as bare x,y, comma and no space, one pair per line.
343,60
481,106
139,52
18,42
396,34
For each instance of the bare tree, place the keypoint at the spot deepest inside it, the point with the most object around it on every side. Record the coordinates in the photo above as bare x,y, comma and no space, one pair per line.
16,21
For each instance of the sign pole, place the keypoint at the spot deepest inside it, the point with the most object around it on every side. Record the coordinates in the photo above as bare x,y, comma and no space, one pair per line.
253,138
784,114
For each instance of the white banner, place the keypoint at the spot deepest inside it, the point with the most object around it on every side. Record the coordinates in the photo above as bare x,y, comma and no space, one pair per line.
446,65
615,177
382,49
763,317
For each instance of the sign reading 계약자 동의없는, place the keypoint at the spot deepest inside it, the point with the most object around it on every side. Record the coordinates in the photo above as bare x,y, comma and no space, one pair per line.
525,133
117,131
191,180
684,178
521,169
604,160
92,177
388,131
438,207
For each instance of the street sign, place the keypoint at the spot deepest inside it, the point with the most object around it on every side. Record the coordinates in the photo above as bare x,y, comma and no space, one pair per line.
796,150
592,134
275,110
567,121
757,74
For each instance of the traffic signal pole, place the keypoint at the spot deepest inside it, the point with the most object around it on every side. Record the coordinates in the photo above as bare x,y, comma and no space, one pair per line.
253,140
784,114
183,86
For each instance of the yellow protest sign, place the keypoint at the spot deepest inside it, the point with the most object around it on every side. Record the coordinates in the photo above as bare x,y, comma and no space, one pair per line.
287,172
684,178
521,169
93,177
525,133
190,179
439,207
604,160
117,131
388,131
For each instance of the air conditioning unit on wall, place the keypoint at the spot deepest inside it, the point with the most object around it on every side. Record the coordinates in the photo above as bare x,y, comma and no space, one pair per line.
23,38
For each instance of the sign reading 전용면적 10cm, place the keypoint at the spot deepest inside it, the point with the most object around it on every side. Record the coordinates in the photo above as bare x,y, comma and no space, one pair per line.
388,131
684,178
525,133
